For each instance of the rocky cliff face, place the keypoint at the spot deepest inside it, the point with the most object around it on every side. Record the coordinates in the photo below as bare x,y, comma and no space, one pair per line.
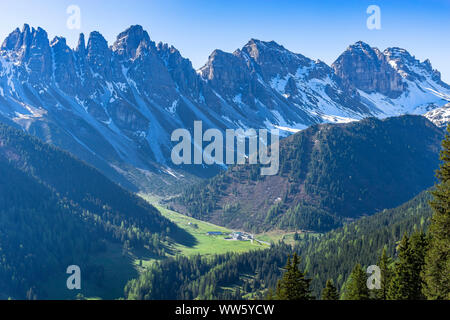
116,106
368,69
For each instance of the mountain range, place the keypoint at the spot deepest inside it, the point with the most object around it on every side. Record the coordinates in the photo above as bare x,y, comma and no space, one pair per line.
115,106
85,132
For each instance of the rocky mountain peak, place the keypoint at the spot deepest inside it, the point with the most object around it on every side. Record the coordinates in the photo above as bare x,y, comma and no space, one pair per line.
58,42
98,53
131,41
260,51
256,47
361,45
411,68
22,40
368,69
11,42
81,47
225,69
96,43
397,53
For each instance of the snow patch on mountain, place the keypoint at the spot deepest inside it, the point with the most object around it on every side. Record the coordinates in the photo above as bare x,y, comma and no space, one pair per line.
439,116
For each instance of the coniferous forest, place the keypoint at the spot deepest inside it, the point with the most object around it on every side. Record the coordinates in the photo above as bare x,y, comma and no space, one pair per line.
408,243
56,210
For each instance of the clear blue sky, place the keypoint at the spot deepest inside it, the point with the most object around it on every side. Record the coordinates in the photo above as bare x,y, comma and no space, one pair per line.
319,29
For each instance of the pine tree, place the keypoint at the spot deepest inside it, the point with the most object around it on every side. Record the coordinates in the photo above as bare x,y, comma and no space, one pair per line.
400,285
293,285
330,292
407,283
356,286
386,274
270,295
419,246
437,270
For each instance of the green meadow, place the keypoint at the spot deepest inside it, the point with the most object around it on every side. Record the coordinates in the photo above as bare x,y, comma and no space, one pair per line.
205,244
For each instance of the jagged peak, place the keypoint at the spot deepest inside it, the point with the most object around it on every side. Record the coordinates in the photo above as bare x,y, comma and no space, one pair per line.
264,45
130,40
359,48
363,47
22,38
25,28
11,41
396,52
96,40
133,29
39,34
94,35
165,49
59,41
427,64
219,54
360,44
399,54
81,47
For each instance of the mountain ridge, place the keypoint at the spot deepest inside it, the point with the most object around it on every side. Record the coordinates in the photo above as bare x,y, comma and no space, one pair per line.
115,106
58,211
329,174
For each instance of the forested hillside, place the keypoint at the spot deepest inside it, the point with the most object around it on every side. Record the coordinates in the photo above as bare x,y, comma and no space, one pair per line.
56,211
249,275
329,173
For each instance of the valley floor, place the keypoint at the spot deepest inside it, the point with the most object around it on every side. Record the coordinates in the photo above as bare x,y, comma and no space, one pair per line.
120,266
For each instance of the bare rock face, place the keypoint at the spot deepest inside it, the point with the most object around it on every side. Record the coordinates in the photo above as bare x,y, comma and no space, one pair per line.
65,67
98,54
31,48
226,71
271,59
368,69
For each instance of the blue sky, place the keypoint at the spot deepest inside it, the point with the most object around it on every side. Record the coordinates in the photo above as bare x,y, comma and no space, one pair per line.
319,29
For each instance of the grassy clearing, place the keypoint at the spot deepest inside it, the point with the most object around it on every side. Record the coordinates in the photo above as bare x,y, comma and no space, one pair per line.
205,244
280,235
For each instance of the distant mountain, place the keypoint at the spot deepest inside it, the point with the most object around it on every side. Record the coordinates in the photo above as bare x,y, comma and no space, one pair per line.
329,173
392,81
116,106
56,211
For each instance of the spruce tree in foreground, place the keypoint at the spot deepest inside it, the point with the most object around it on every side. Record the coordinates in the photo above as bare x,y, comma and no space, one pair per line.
385,273
293,285
419,246
400,285
330,292
356,286
406,282
437,269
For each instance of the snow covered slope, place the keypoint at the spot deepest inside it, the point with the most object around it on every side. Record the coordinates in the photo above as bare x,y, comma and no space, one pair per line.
439,116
